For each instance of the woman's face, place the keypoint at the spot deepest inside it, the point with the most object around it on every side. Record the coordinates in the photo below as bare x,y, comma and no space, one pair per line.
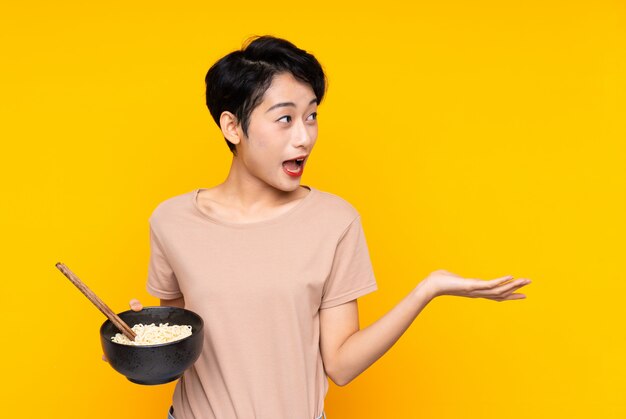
282,128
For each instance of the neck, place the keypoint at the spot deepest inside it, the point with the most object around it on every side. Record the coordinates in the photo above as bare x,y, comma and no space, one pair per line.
248,192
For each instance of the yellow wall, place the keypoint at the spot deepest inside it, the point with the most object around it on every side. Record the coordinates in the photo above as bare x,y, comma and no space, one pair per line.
484,137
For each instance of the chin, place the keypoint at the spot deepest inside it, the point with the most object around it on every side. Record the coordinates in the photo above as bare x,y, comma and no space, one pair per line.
292,188
288,188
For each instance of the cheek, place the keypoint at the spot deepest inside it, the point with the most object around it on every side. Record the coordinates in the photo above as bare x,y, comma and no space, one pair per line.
263,138
264,147
313,135
265,150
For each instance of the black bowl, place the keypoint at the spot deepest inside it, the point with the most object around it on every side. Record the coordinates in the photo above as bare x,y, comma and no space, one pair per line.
154,364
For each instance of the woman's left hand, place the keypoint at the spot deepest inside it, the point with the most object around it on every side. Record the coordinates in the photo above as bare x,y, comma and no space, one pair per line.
442,282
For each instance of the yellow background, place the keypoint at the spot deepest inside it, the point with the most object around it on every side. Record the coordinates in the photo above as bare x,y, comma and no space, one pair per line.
485,138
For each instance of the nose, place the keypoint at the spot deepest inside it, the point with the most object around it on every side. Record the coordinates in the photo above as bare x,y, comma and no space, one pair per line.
304,136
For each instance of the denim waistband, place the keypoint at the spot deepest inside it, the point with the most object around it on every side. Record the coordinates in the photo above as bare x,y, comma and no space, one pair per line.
170,414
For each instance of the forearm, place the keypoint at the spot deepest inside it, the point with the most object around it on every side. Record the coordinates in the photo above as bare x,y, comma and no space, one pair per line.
366,346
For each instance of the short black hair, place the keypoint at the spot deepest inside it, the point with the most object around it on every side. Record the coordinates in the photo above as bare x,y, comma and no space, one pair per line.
238,81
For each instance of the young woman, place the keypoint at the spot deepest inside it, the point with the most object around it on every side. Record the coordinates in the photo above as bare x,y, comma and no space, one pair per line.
275,267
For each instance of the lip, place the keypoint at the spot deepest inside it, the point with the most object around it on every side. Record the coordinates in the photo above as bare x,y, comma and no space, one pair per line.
294,174
299,173
304,156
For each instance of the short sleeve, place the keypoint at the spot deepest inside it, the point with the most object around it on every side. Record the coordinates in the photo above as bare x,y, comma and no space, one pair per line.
351,275
162,282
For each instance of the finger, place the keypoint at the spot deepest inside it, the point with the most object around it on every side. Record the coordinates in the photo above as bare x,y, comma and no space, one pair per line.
104,358
135,305
514,297
503,290
480,284
510,287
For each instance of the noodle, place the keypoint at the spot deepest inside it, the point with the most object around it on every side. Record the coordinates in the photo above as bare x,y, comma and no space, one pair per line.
152,334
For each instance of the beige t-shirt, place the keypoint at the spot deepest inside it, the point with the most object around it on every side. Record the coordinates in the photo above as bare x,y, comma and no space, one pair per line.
259,288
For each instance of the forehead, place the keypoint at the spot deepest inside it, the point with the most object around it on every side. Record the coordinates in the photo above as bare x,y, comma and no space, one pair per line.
285,88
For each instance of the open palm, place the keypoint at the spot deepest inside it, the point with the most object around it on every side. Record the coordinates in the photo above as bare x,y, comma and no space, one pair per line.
442,282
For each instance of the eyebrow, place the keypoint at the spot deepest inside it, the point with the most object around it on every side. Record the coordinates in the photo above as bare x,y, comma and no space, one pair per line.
283,104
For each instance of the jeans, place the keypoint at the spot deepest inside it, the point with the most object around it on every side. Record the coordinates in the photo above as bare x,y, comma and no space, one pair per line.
170,414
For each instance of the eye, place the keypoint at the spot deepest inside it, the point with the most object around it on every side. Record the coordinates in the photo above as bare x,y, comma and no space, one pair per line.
314,115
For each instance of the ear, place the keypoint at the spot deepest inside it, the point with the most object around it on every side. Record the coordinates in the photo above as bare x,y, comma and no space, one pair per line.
230,127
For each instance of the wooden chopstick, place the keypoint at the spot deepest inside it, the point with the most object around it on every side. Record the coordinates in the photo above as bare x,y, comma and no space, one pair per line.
115,319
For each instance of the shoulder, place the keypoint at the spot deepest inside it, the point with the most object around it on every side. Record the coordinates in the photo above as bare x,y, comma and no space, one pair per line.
333,206
171,208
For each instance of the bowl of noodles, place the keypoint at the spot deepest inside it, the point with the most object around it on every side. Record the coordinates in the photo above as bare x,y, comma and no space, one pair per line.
168,342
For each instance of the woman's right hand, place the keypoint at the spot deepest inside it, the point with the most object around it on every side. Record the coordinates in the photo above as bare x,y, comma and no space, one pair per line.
135,305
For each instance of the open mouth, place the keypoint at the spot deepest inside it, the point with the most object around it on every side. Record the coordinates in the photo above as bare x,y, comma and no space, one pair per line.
294,167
